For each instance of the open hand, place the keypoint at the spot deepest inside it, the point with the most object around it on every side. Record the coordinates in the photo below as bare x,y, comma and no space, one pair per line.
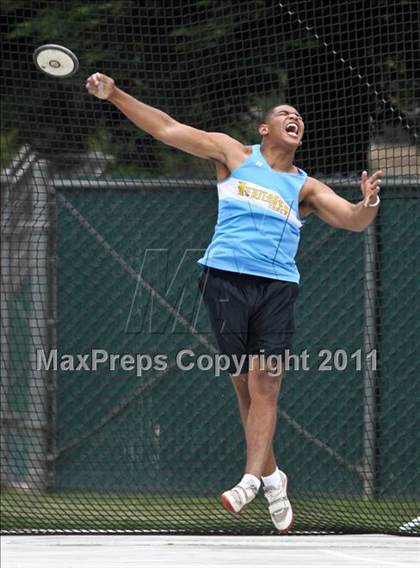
100,85
370,187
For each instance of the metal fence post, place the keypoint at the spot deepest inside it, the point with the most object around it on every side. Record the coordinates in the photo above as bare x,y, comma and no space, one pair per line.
14,180
26,249
370,374
38,476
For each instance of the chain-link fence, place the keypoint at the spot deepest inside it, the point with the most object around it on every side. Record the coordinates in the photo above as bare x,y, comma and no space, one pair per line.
97,269
101,229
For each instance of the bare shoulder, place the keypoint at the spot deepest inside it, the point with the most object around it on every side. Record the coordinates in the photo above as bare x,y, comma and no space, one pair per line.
234,152
311,183
307,189
228,143
234,159
308,195
311,187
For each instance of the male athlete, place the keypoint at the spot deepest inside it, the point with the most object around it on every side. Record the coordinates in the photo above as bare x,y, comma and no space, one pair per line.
250,279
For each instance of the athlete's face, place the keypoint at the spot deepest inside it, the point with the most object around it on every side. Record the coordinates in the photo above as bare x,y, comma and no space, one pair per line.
285,124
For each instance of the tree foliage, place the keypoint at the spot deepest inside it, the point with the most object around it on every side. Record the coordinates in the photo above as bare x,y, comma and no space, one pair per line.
215,65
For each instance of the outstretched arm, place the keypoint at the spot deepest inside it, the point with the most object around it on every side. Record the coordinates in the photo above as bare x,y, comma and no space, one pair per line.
209,145
340,213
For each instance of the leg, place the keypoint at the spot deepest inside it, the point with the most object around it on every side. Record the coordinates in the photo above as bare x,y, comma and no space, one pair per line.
257,393
240,383
270,330
279,505
263,389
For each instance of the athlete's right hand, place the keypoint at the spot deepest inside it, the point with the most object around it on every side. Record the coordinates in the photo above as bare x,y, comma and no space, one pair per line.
100,85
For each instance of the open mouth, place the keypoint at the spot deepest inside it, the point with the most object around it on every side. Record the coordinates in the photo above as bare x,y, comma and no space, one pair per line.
292,129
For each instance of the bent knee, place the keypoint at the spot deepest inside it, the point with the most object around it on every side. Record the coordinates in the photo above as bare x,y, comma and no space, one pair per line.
264,385
243,395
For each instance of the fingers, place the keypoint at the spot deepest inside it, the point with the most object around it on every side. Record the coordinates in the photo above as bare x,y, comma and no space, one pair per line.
370,186
93,82
377,174
90,86
370,198
96,77
375,184
375,179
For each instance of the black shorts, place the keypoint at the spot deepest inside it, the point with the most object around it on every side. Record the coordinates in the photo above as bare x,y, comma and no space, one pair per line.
250,315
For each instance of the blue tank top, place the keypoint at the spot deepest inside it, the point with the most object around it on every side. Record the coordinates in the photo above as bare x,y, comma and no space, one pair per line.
258,225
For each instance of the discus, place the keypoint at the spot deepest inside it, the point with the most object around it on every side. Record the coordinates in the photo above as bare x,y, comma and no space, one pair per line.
56,60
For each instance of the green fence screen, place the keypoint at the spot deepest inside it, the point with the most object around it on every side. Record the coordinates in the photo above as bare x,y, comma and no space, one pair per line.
102,226
126,445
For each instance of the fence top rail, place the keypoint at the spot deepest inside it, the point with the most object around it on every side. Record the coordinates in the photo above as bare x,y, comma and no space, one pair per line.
351,183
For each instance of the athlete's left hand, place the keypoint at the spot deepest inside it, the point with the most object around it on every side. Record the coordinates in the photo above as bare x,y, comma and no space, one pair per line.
370,187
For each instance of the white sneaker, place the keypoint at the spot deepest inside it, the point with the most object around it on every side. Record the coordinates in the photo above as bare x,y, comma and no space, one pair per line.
279,505
236,498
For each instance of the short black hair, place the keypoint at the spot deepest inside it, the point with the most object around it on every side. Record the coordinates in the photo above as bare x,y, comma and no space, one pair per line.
267,114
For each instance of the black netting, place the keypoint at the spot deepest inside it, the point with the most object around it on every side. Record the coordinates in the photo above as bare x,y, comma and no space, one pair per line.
97,218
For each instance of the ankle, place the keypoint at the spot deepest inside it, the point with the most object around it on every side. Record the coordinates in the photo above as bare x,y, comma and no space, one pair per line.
249,479
274,480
